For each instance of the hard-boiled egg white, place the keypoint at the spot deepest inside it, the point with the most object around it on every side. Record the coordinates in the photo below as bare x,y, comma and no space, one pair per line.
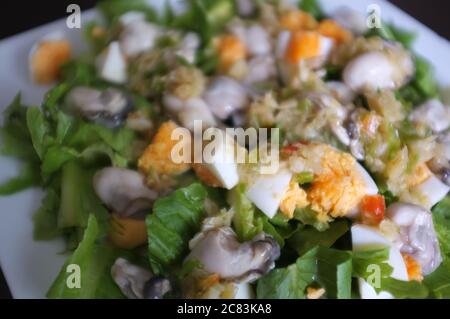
131,16
433,190
368,238
223,162
112,65
268,191
326,45
244,291
371,186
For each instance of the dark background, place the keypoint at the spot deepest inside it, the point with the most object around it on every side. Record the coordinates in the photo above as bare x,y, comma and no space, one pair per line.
18,16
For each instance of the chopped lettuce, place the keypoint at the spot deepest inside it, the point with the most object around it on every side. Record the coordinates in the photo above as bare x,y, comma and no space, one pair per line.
312,7
16,141
398,288
45,219
78,198
441,220
423,86
39,130
272,230
94,259
404,289
72,138
333,269
76,72
405,37
308,216
113,9
438,282
363,259
28,176
61,152
174,221
393,33
304,178
205,17
246,221
289,282
323,267
307,237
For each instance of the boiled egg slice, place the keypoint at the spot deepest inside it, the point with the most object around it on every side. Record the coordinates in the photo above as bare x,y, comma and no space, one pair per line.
268,191
244,291
112,65
368,238
371,186
433,189
223,163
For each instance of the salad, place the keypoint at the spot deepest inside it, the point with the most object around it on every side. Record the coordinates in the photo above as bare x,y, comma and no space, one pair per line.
356,206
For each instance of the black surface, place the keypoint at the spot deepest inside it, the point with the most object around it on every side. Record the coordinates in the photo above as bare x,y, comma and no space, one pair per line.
18,16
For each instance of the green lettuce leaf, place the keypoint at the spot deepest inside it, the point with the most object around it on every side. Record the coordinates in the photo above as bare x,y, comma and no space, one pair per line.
312,7
308,216
205,17
393,33
247,223
324,267
85,134
423,86
39,130
363,259
405,37
45,219
441,220
404,289
174,221
334,272
398,288
16,141
94,260
76,72
113,9
77,139
273,231
438,282
308,237
28,176
290,282
332,269
78,198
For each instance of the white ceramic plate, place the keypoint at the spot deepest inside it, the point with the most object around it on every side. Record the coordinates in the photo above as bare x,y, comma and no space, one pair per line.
29,266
